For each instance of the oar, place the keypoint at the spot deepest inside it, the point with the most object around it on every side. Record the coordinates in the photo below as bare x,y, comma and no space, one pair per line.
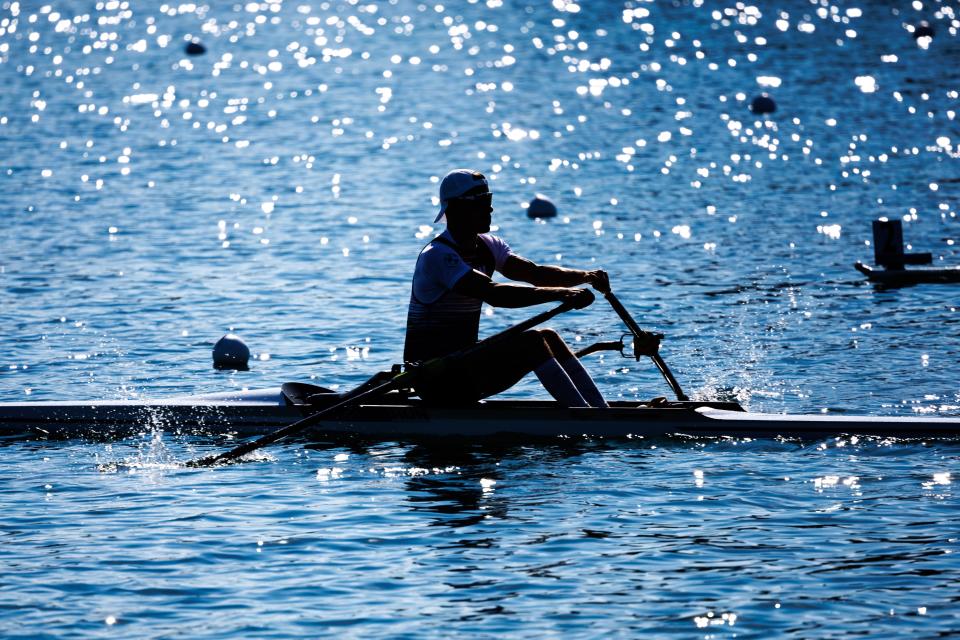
400,380
640,334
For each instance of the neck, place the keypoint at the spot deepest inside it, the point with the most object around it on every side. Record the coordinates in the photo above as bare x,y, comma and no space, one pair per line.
465,238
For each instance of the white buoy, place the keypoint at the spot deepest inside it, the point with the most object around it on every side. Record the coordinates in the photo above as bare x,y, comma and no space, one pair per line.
231,352
541,207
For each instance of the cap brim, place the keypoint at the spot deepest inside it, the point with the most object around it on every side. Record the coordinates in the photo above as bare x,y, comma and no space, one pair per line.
442,214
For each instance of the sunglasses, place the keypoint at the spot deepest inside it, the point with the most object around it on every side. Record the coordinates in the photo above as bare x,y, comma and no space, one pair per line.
488,197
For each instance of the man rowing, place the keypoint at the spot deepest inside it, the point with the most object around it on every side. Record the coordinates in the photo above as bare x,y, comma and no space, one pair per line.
452,280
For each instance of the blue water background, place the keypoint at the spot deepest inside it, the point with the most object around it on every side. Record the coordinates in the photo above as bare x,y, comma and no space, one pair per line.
280,186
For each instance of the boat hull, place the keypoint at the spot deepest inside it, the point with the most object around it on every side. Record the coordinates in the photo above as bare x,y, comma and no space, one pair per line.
264,412
904,277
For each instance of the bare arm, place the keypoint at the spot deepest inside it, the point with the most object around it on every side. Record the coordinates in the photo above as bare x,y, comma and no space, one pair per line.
477,285
523,270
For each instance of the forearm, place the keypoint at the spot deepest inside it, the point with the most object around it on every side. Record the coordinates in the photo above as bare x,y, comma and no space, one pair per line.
514,296
552,276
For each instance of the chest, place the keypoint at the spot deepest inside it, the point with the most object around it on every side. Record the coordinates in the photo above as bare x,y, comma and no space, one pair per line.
479,257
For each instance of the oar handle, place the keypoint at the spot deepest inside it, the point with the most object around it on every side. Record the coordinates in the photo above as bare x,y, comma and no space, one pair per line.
639,334
398,381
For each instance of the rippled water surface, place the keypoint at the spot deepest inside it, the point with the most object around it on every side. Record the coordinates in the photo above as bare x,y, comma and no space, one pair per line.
280,184
676,539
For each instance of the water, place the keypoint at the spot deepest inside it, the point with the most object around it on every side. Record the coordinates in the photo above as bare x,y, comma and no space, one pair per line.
280,185
684,539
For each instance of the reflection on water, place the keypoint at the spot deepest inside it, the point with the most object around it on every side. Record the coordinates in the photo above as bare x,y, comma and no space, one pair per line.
471,491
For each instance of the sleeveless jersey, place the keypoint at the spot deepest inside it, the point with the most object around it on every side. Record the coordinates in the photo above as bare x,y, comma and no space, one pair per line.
440,320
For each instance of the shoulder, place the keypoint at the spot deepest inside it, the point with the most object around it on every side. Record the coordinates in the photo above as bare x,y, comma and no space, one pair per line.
498,247
493,241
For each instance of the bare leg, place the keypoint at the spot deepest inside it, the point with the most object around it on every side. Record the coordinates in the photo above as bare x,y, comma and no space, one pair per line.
578,375
502,366
584,383
555,380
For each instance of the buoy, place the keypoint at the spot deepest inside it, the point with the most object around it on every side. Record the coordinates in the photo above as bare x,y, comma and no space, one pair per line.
541,207
195,48
763,103
923,30
231,352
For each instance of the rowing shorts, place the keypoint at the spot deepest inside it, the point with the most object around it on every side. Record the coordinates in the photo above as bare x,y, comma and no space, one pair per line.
494,369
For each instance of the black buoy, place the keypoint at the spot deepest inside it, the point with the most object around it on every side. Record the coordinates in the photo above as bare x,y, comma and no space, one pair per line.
541,207
195,48
923,30
231,352
763,103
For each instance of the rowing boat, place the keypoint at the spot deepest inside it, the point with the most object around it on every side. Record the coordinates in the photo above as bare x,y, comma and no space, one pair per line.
249,413
384,407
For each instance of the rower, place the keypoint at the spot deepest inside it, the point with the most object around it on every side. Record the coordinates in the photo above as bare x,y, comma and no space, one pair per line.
452,280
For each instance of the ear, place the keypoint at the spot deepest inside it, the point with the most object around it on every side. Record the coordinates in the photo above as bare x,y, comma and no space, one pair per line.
453,208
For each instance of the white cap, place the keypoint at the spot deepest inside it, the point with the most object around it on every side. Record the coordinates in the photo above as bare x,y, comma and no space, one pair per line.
460,182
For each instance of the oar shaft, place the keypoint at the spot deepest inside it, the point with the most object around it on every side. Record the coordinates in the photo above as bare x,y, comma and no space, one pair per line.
396,382
638,333
296,427
517,328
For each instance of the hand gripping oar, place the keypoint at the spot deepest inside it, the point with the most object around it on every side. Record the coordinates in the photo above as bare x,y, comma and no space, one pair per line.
405,378
645,343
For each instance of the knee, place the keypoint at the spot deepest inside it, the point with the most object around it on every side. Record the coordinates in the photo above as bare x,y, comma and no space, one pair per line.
536,344
558,348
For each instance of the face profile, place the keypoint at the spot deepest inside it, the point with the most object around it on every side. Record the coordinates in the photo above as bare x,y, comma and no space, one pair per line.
474,211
